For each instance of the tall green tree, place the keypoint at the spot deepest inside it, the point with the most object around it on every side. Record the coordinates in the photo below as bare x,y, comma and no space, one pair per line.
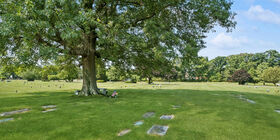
109,30
115,74
272,58
260,69
197,68
216,68
49,70
272,75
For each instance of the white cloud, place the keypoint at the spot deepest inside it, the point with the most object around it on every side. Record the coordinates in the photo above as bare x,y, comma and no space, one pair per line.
278,1
223,40
223,44
257,12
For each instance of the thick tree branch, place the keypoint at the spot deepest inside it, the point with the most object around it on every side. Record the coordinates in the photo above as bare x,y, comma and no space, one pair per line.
150,16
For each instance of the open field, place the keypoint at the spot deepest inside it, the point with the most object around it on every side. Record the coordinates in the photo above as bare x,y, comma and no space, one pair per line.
207,111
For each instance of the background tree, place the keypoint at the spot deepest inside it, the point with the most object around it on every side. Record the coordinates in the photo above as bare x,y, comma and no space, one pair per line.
68,73
8,71
115,74
197,68
88,30
254,75
233,62
241,76
49,70
260,69
272,75
272,58
67,67
216,69
101,71
152,66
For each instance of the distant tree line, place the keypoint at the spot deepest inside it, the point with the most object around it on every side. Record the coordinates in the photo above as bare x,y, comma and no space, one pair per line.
67,71
259,67
252,67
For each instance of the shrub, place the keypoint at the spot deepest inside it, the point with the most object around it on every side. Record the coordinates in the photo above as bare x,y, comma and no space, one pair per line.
29,76
241,76
130,81
48,70
216,78
2,78
100,81
68,75
53,77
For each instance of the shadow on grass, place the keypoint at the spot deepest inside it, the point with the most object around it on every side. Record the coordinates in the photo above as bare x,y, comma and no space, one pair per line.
183,95
208,110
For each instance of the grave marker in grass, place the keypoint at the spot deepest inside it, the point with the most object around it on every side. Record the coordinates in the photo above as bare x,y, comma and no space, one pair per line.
48,108
176,106
148,114
138,123
6,120
158,130
15,112
167,117
247,100
123,132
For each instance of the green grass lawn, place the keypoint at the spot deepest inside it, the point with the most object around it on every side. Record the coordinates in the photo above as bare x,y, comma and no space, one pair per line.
208,111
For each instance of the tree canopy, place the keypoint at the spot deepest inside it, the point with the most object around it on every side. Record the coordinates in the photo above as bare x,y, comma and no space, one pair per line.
271,75
114,31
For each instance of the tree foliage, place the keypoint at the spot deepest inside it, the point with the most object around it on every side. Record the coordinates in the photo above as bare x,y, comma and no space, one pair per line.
241,76
115,31
271,75
48,70
29,75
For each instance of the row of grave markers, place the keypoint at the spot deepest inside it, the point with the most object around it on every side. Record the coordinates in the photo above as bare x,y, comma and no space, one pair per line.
162,130
155,129
47,108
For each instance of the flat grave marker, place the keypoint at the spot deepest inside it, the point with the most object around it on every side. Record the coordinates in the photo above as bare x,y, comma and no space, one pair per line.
138,123
123,132
245,99
148,114
6,120
167,117
48,108
158,130
250,101
14,112
176,106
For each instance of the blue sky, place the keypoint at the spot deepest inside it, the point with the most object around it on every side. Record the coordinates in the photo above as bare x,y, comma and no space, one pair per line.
257,30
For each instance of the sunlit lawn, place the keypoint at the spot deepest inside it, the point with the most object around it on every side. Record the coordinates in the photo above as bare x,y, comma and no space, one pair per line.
208,111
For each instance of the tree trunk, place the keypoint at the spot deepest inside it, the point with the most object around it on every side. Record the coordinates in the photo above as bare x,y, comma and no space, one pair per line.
150,80
89,76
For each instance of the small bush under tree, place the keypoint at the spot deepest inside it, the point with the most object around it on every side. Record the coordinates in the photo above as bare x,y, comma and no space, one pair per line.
29,76
100,81
53,77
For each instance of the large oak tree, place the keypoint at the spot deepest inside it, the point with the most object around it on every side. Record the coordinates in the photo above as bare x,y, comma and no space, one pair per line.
114,31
